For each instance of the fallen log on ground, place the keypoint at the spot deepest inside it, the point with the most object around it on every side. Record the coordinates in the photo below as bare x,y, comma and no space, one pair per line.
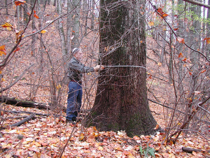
190,150
27,112
23,103
28,118
15,117
23,121
17,102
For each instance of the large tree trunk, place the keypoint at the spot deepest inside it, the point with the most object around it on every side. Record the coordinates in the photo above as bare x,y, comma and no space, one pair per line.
121,102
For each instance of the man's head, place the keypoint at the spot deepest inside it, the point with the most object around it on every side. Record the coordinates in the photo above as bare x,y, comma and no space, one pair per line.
77,53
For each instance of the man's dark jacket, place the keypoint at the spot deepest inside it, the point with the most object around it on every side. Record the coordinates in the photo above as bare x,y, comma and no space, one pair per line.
76,68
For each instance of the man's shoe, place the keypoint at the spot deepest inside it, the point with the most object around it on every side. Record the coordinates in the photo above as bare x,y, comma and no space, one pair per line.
70,121
74,119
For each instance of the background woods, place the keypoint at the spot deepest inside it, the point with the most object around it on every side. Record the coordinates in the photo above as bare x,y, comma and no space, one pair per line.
157,75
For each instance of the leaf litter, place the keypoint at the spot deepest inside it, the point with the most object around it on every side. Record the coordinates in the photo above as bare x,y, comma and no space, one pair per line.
45,137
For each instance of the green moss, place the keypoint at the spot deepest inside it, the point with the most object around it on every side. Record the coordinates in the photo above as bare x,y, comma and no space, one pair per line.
133,123
113,126
94,113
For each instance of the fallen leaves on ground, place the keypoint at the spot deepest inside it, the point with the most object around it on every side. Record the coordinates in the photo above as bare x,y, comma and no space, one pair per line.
47,136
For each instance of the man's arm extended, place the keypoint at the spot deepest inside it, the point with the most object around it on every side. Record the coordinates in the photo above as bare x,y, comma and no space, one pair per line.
74,64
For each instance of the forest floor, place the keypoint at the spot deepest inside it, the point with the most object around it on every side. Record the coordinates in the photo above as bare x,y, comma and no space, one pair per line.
46,136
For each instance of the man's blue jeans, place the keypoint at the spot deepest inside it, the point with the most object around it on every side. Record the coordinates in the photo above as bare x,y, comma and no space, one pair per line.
73,100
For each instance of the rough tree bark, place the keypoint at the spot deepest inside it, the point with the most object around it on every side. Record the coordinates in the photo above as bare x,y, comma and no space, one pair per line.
121,102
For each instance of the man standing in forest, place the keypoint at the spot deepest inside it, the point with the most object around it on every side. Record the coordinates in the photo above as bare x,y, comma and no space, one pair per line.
75,70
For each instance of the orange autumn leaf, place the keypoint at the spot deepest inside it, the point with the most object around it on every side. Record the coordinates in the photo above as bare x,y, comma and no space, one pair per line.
162,14
81,137
43,31
180,40
150,76
17,49
2,50
185,60
190,73
8,26
202,71
156,127
180,55
19,2
159,64
207,39
159,10
151,23
35,15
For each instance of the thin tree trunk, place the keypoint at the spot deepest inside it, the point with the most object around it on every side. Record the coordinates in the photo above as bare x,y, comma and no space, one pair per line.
61,29
26,16
18,17
6,7
33,36
69,24
76,24
92,14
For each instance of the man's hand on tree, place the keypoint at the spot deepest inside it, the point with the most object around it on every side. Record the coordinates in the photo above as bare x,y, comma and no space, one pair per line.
99,67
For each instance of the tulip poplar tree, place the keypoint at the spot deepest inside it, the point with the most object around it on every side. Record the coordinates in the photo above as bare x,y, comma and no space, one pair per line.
121,102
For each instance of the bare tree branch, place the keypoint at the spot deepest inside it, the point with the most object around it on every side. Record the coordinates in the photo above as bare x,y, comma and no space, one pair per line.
197,3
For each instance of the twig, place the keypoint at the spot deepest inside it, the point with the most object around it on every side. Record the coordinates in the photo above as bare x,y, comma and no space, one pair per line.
61,153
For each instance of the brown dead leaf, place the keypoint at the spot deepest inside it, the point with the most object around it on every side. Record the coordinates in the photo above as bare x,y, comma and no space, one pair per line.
81,137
